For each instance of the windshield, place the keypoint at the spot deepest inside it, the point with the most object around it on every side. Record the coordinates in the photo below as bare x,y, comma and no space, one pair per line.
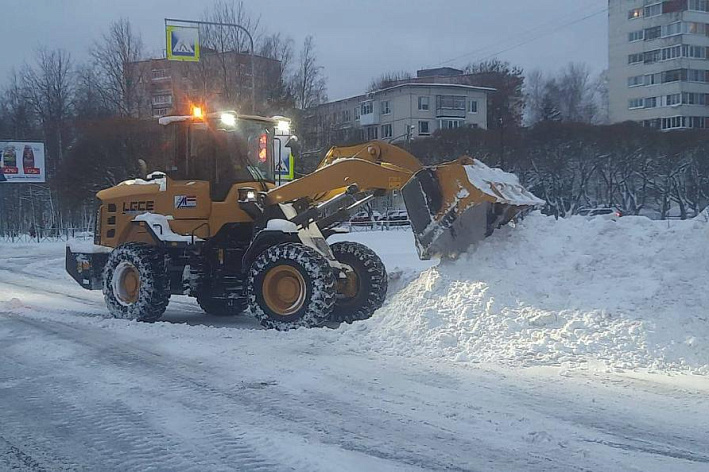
223,156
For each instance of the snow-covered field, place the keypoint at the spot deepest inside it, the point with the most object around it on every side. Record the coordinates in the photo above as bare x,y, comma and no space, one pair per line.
557,345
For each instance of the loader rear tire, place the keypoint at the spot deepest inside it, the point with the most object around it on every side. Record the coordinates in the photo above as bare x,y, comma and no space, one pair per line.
136,284
291,285
221,306
370,281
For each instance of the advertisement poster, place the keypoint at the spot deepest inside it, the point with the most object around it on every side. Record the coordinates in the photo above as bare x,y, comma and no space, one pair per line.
21,162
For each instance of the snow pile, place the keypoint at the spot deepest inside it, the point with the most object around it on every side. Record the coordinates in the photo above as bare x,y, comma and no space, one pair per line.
501,185
629,294
156,178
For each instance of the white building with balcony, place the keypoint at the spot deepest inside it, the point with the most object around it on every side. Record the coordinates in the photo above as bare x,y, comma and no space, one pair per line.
659,62
405,111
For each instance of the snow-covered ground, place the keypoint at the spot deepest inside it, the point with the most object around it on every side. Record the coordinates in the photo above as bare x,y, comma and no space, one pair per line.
556,345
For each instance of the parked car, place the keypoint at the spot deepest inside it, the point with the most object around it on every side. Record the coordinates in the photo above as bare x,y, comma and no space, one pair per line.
396,218
365,219
609,213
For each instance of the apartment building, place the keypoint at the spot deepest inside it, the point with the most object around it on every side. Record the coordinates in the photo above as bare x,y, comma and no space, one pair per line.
401,112
659,62
218,80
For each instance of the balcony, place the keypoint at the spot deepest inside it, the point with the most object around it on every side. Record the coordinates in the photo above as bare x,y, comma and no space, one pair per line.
452,106
450,113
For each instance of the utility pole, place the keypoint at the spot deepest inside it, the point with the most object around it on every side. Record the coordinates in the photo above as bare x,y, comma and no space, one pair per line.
501,122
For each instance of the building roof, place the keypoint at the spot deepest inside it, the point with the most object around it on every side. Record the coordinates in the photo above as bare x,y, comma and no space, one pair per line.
461,86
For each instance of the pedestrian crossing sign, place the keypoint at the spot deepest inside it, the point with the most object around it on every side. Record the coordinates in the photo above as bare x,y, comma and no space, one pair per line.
182,43
284,167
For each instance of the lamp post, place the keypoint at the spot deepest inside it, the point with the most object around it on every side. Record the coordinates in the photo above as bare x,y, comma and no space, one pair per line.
251,41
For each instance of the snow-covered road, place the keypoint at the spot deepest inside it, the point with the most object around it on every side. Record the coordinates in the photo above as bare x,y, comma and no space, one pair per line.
79,391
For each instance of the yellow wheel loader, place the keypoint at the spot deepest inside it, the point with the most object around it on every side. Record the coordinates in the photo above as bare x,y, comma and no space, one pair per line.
216,226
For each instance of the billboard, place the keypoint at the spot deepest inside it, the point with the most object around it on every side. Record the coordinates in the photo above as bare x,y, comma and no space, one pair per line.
182,43
21,162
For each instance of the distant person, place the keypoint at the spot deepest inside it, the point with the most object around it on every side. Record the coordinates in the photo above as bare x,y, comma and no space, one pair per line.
33,232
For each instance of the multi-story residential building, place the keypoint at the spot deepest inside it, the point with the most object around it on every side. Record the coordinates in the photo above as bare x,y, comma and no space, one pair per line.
400,112
218,80
659,62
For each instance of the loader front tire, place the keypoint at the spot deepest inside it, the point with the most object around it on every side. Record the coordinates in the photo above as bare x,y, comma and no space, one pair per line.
361,296
291,285
136,285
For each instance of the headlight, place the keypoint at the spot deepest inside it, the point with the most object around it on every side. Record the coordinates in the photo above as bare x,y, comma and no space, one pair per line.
283,126
228,119
247,194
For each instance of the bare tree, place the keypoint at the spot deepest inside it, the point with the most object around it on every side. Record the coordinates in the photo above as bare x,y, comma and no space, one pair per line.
534,93
275,46
16,109
389,79
49,86
116,57
220,42
309,84
576,94
278,90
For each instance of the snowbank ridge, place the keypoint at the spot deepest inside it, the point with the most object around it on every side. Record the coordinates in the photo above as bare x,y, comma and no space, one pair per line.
626,294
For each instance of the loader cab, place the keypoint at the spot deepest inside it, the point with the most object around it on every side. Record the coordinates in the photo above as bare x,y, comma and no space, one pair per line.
221,148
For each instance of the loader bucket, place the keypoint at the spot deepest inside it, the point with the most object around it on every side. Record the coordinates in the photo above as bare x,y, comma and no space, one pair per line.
456,204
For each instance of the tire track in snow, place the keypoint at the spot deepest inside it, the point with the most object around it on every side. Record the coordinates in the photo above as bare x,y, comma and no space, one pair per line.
112,434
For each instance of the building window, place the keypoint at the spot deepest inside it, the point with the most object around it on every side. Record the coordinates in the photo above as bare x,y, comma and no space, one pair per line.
696,75
651,102
675,75
424,129
653,33
387,131
652,79
653,10
635,103
699,5
651,57
636,36
696,122
356,115
423,103
160,74
636,81
696,52
635,13
635,58
672,29
674,122
162,100
450,102
473,106
689,98
450,124
673,99
386,109
372,133
367,108
671,53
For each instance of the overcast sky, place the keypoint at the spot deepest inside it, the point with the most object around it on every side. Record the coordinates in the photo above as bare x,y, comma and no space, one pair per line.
356,39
